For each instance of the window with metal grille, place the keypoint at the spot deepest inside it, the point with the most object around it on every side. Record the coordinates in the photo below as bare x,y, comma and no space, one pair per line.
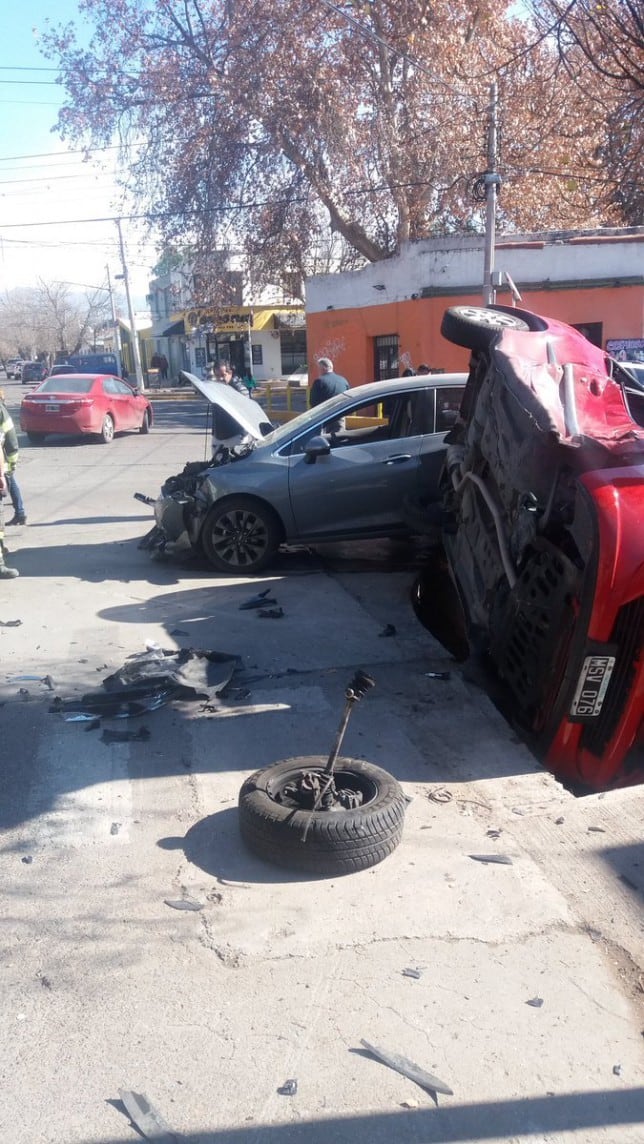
385,356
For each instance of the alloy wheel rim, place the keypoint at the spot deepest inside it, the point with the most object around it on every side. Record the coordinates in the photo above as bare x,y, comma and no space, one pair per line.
240,538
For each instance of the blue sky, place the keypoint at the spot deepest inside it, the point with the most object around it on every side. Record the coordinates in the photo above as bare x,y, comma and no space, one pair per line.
42,182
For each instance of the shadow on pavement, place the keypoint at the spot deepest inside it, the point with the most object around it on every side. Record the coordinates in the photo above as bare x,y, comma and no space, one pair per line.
214,845
505,1120
628,864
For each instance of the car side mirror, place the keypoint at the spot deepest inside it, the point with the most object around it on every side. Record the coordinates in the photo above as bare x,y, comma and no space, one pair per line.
316,447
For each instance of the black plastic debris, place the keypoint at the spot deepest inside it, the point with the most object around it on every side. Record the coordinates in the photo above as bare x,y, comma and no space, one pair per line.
125,736
115,827
497,859
10,623
617,1070
411,972
535,1002
388,630
150,679
559,821
146,1118
289,1088
27,859
407,1068
493,834
258,601
183,904
270,613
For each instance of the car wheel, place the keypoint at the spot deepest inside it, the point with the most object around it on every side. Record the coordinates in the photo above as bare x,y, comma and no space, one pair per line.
107,430
145,424
240,534
475,327
36,438
327,842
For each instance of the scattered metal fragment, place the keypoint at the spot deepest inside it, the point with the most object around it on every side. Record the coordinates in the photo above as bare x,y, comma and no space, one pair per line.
125,736
257,601
289,1088
493,833
535,1002
596,830
409,1104
440,795
410,972
183,904
25,678
445,675
388,630
10,623
270,613
594,934
617,1070
150,679
409,1069
45,982
23,693
115,827
146,1118
497,859
559,821
48,682
27,859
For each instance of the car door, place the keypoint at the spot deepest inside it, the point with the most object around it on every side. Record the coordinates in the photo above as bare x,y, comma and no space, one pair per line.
357,489
119,401
441,414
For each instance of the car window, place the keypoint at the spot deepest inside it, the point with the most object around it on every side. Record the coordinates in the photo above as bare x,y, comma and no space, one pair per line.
448,403
110,385
63,384
403,415
121,387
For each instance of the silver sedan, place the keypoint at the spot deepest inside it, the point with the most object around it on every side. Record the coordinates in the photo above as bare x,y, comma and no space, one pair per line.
341,471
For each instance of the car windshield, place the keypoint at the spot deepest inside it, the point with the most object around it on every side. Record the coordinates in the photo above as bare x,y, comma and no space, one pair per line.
67,385
303,420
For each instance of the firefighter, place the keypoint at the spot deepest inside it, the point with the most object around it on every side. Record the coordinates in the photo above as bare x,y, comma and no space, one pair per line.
9,442
6,573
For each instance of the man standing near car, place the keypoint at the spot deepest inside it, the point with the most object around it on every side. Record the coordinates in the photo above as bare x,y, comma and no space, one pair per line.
225,430
6,573
224,373
9,444
328,384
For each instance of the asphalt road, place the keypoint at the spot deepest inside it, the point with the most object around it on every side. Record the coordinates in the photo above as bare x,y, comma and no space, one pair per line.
105,987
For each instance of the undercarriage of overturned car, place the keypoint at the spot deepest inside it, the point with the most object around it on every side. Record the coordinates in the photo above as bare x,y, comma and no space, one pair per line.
543,526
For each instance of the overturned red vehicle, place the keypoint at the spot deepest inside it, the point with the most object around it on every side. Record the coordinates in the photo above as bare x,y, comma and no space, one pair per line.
544,533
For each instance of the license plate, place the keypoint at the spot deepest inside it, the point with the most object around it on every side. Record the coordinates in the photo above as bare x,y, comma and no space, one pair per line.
592,686
52,408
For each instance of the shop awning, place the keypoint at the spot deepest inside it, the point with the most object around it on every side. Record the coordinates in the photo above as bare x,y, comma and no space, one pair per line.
176,330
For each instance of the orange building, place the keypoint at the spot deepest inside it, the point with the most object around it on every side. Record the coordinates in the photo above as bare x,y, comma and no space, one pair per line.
375,322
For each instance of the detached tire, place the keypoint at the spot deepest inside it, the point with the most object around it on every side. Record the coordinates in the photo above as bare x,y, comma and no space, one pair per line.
475,327
337,841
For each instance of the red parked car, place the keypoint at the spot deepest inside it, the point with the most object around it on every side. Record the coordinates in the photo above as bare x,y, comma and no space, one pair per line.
78,404
544,534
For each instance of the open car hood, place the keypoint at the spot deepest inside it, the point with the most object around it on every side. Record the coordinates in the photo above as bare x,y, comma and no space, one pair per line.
248,414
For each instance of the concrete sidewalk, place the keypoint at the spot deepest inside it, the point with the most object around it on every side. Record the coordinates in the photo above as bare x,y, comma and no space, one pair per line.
527,1000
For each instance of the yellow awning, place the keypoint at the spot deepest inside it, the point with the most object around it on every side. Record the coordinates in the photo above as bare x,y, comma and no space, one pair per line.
235,319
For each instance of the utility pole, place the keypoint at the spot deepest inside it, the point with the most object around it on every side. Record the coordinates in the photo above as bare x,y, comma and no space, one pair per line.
492,181
115,324
134,337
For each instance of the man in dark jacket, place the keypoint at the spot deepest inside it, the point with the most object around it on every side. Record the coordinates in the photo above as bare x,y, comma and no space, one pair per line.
328,384
224,429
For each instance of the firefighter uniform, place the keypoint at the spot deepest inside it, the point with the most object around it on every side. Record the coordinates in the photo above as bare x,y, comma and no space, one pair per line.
8,448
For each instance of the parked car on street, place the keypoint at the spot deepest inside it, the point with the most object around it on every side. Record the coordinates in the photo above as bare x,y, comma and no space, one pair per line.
33,371
14,368
307,481
82,404
544,510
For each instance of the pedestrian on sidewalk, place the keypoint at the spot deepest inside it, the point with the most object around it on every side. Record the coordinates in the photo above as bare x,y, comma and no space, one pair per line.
328,384
6,573
9,445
